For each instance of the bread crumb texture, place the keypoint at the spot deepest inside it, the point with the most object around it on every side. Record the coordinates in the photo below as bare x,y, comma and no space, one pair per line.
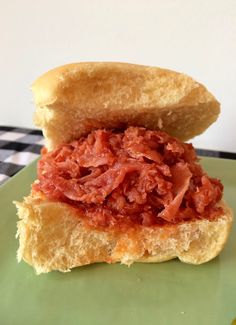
74,99
54,237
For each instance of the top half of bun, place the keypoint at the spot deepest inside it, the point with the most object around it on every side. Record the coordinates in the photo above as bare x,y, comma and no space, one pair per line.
76,98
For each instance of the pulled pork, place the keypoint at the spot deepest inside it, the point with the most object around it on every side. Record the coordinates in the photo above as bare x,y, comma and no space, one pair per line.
136,176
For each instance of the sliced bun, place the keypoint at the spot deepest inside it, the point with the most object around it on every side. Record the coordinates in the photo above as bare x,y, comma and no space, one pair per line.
54,237
74,99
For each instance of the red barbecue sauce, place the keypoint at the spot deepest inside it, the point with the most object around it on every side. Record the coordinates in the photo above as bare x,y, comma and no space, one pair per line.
131,177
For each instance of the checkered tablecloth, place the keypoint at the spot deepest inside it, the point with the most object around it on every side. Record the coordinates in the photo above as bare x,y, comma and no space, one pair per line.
18,147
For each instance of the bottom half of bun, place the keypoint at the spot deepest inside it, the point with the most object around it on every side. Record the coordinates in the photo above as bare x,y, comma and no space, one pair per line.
53,236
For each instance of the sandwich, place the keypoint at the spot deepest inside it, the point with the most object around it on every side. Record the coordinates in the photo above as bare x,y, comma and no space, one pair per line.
116,181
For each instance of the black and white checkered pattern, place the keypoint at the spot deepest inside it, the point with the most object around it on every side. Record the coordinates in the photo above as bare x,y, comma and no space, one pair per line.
18,147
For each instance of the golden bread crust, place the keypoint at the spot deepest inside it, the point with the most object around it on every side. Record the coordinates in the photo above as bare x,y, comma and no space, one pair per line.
54,237
76,98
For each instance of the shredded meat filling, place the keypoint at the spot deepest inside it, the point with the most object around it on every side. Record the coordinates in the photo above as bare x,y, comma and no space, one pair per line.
136,176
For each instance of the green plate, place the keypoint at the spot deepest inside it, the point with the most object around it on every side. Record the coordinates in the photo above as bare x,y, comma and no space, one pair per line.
167,293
